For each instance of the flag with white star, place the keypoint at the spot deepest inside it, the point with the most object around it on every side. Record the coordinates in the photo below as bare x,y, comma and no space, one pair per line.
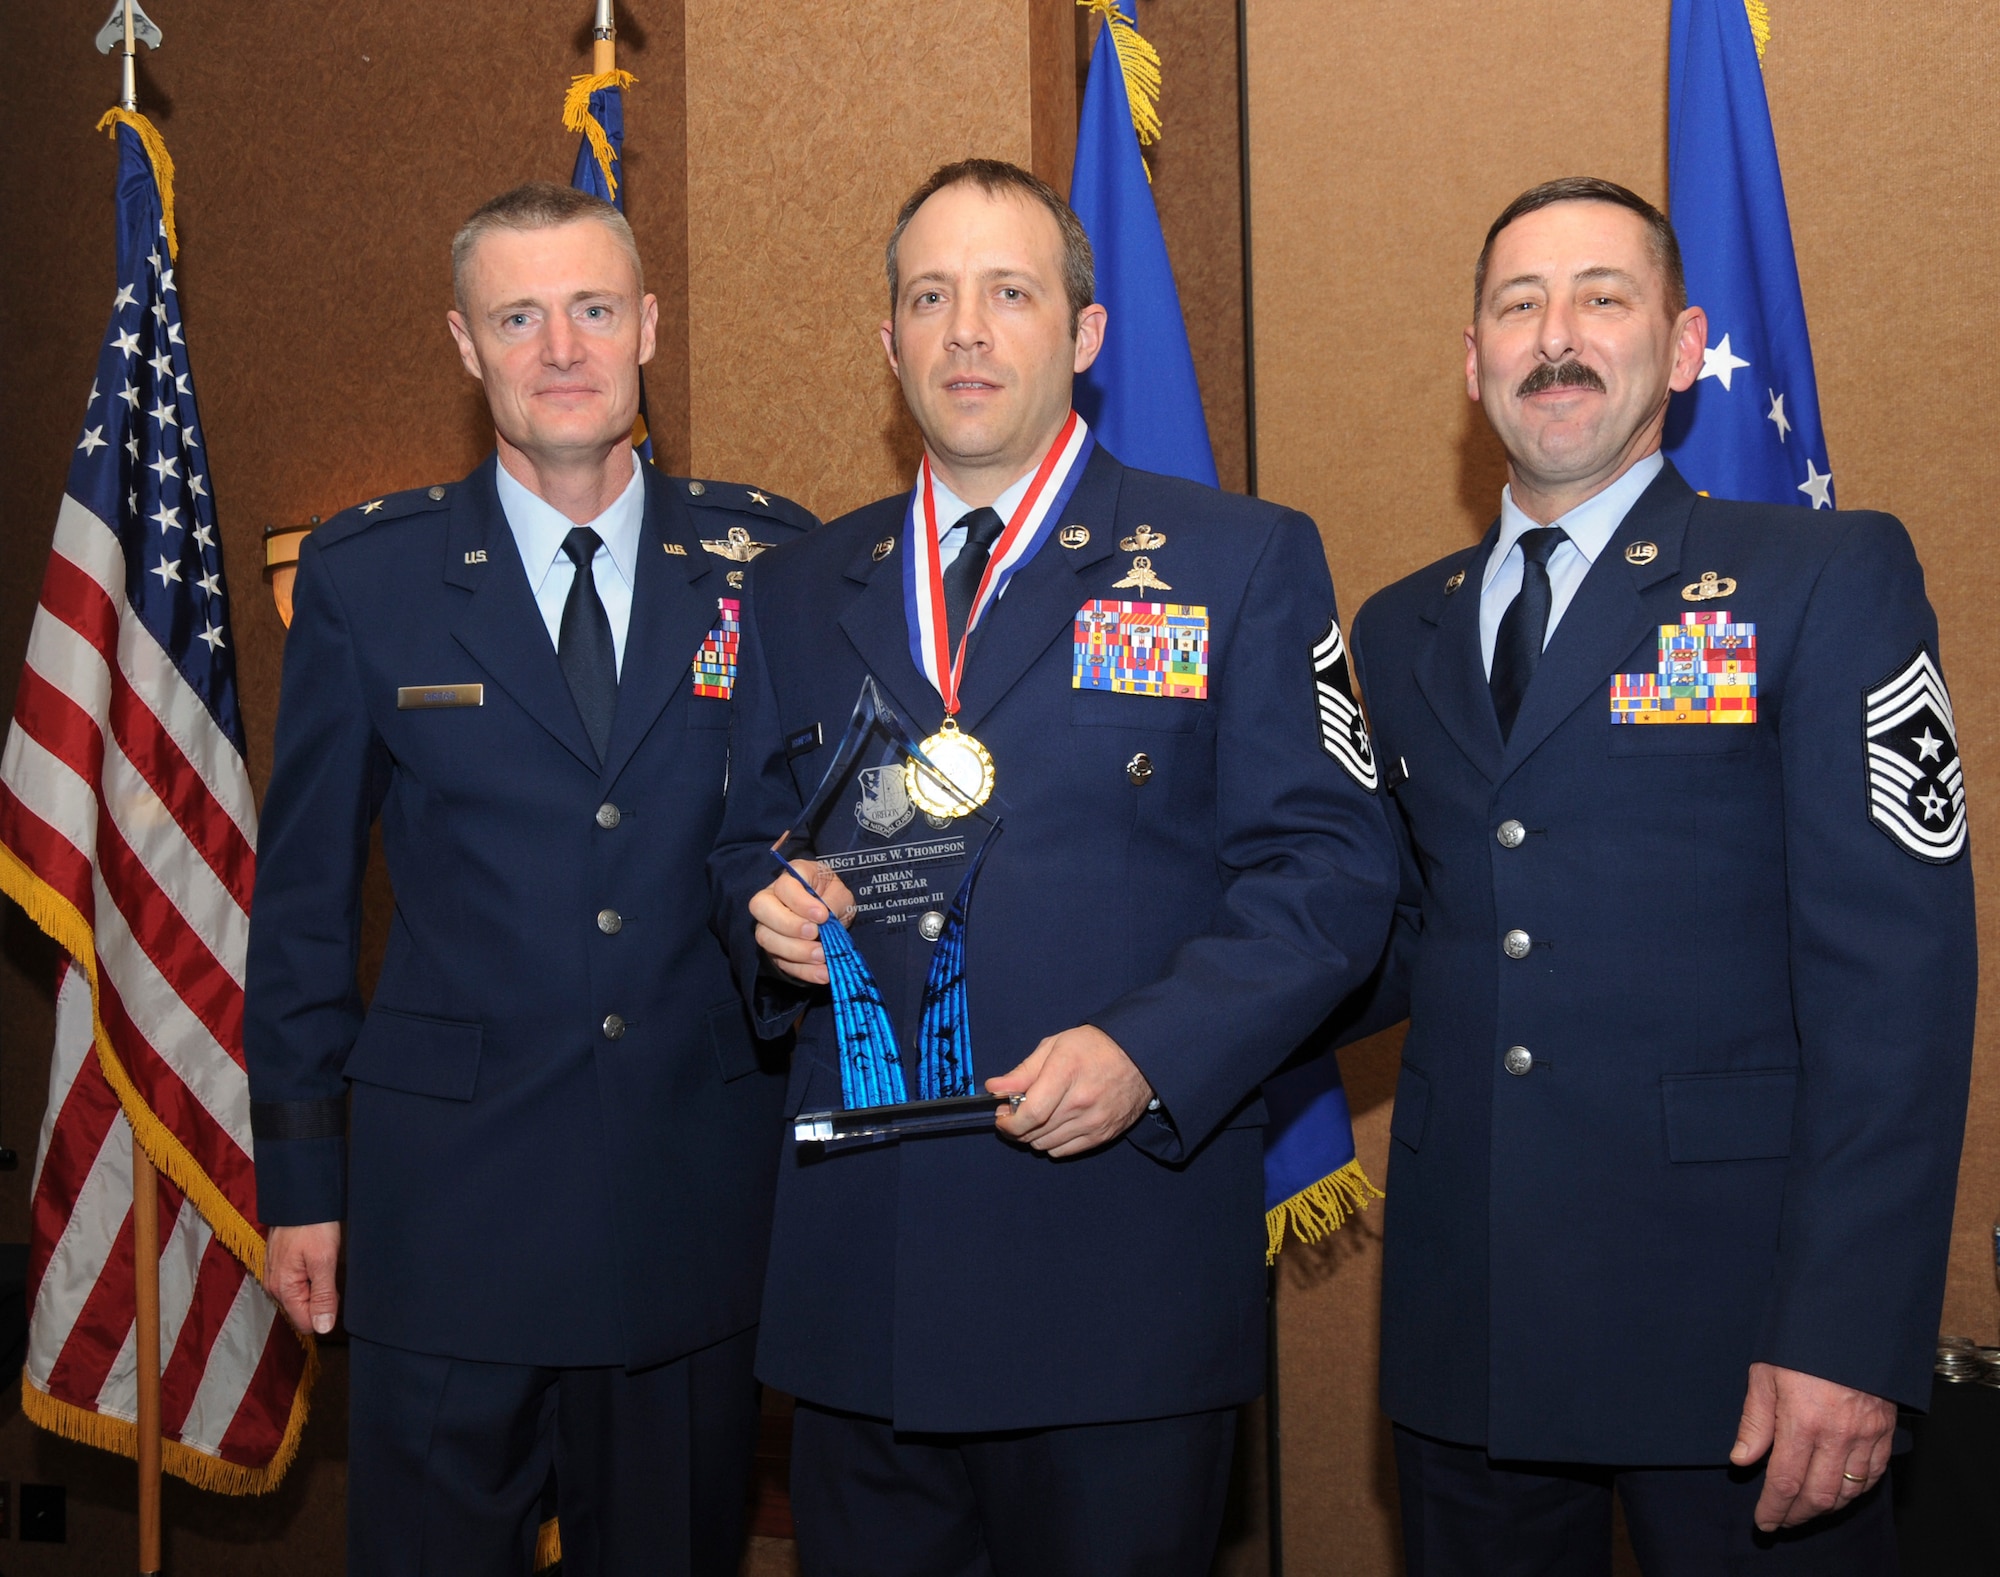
128,833
1749,428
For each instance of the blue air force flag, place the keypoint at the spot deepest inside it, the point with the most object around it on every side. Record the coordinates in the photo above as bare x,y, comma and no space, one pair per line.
594,107
1140,397
1749,428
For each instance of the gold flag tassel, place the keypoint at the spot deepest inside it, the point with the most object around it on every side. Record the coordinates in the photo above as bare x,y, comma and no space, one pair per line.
1315,1212
1139,63
163,164
577,117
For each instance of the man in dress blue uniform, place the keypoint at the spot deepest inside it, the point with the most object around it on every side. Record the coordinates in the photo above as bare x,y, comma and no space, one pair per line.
559,1183
1686,945
1019,1352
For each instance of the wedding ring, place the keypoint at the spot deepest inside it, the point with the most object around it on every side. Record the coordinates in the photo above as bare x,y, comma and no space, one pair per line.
1855,1478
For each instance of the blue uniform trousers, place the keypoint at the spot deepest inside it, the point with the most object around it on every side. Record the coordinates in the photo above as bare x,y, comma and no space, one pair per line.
1466,1515
447,1459
1140,1499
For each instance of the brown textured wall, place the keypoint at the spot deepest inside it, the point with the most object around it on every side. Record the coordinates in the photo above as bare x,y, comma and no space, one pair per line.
1380,152
803,140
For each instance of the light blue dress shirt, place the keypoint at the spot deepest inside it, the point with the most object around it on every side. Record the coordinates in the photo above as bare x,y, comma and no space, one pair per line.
1590,527
951,509
539,528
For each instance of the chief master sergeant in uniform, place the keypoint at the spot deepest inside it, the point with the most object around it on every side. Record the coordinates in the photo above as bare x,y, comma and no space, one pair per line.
562,1135
1686,947
1018,1352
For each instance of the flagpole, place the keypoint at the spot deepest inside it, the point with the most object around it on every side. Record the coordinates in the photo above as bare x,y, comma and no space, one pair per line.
604,40
146,1338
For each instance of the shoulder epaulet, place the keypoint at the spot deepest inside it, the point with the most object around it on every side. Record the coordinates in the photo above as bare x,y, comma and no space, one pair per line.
390,506
755,503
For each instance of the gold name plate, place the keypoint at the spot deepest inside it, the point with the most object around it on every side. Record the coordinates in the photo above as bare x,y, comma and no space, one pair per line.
424,697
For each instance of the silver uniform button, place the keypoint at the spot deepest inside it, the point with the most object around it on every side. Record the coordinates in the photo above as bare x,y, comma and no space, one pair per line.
1518,1060
610,921
608,815
1515,944
931,926
437,495
1511,834
614,1027
1139,768
697,489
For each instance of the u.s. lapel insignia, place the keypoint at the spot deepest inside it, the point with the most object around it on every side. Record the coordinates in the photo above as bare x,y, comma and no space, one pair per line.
1916,788
758,498
1709,587
883,549
476,556
1073,536
1144,540
736,546
1457,580
676,549
1641,552
369,509
1142,577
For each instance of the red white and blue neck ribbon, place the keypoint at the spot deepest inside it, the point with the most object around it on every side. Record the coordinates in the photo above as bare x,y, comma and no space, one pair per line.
923,570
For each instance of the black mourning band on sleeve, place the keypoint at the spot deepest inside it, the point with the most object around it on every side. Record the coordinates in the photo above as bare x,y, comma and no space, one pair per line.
321,1119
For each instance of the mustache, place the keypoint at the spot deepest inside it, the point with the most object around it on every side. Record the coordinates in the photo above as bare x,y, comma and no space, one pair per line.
1559,375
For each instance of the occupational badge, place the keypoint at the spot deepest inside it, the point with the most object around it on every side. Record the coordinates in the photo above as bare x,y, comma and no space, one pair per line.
734,545
1141,648
1454,581
1709,587
1343,732
1916,789
1142,577
1707,673
1144,540
715,663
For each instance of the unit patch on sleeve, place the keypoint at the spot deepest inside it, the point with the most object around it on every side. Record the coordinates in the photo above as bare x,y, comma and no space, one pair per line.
1707,674
1141,648
715,663
1916,790
1342,730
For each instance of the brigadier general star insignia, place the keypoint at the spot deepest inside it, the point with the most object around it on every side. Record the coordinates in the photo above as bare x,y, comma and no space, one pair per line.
736,546
1916,787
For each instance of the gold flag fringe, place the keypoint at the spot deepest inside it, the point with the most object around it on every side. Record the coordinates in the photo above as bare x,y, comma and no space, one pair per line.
110,1433
548,1545
1139,63
1760,25
1314,1212
59,918
163,164
577,117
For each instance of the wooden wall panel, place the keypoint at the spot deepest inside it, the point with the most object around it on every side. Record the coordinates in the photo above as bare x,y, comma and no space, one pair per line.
1380,151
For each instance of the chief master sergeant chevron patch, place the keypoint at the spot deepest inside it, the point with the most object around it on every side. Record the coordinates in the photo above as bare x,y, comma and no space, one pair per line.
1916,788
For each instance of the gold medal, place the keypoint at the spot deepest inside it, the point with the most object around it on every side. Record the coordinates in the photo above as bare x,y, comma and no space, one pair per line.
963,763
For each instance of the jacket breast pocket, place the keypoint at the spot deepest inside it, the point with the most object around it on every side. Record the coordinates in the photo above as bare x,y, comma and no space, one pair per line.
421,1056
1161,714
1412,1112
1729,1116
1681,739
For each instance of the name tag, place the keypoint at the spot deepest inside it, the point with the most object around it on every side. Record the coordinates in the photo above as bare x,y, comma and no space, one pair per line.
427,697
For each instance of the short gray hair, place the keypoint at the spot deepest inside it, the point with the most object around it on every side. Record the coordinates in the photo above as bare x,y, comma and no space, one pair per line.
539,205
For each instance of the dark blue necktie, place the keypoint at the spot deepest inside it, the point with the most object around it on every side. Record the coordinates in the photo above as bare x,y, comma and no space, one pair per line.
1524,627
589,661
961,577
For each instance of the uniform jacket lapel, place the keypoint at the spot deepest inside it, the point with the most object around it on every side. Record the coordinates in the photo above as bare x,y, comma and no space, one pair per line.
1041,600
1605,619
875,623
674,600
500,626
1452,674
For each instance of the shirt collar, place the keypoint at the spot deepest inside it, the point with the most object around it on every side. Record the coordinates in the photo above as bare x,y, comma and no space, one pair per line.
951,508
1590,526
539,527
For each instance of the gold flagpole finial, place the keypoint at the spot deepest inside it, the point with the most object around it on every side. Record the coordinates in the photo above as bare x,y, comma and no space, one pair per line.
604,40
129,25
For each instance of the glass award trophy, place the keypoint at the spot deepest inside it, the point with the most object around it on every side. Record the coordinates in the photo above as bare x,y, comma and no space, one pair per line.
907,832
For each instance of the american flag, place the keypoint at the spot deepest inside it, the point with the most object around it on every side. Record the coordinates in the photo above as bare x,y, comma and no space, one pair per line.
127,830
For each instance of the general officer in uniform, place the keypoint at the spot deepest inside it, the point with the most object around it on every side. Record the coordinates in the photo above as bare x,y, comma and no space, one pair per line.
556,1177
1019,1351
1686,946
